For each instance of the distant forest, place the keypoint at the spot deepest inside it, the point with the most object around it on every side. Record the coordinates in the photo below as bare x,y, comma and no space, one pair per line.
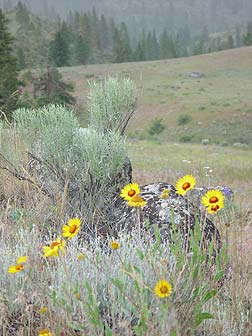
172,15
88,38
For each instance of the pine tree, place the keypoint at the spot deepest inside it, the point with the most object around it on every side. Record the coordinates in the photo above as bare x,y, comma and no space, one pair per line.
22,15
247,38
49,88
104,33
230,42
8,70
121,45
81,50
59,53
164,45
238,39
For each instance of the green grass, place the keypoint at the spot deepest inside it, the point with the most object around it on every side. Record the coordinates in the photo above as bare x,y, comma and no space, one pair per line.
218,103
154,162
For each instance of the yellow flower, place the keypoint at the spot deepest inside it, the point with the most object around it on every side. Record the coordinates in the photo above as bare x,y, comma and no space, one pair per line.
137,201
45,332
129,191
165,193
215,208
213,197
78,296
15,268
53,249
81,256
115,245
185,184
43,310
72,228
22,259
163,289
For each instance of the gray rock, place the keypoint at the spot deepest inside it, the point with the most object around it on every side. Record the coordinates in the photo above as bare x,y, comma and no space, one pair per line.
165,213
196,74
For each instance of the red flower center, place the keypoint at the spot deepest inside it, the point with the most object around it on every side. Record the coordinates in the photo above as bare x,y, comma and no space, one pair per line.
73,228
213,199
131,193
19,267
164,289
54,244
186,185
215,207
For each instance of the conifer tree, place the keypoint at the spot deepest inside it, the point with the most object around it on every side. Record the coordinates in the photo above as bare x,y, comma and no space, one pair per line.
22,15
59,53
81,50
8,70
247,39
49,88
121,45
230,42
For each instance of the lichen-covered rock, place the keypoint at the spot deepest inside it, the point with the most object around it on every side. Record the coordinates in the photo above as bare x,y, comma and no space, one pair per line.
164,208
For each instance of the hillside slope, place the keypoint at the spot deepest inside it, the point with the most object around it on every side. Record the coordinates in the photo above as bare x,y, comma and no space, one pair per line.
219,104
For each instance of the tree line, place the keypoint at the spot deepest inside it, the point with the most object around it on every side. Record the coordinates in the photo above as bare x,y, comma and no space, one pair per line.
86,38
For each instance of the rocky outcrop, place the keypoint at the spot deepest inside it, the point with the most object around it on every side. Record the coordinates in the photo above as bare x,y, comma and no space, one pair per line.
167,212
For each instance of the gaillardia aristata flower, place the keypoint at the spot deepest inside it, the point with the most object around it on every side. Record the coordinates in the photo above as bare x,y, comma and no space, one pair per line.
115,245
163,289
129,191
165,193
53,249
19,265
43,310
137,201
45,332
72,228
15,268
185,184
22,259
213,200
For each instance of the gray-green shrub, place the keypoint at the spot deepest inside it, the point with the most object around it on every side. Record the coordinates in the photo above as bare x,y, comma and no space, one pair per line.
111,104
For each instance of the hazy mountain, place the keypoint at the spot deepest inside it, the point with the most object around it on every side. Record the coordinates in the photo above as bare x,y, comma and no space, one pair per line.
215,15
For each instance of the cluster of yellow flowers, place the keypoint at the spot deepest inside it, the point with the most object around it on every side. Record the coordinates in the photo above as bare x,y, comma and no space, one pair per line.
19,265
69,231
213,200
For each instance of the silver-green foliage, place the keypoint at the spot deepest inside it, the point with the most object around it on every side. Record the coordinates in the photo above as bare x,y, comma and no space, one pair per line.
83,159
111,104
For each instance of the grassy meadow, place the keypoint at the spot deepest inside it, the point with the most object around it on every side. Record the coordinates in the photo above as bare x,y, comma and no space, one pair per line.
218,104
93,287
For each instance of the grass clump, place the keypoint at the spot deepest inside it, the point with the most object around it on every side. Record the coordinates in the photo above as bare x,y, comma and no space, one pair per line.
184,119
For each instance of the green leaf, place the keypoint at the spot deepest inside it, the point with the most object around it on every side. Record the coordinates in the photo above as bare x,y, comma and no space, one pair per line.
140,254
219,275
209,296
173,333
108,331
158,239
196,292
195,272
54,296
118,283
201,317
